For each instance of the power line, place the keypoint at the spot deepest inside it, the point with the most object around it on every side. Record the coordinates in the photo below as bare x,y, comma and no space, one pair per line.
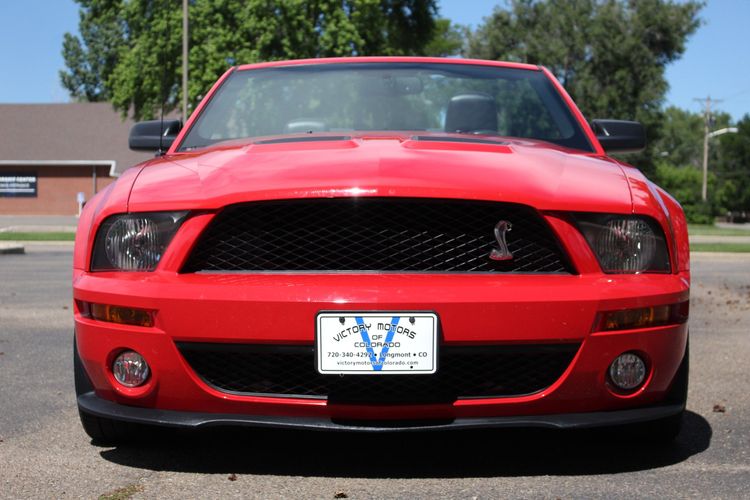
732,96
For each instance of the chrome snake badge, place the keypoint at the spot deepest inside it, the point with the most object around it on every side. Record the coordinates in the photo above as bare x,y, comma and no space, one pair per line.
502,252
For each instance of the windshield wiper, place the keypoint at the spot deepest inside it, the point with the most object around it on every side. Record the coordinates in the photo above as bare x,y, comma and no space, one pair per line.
305,138
451,138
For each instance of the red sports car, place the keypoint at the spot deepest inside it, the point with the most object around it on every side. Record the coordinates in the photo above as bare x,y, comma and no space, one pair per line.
383,243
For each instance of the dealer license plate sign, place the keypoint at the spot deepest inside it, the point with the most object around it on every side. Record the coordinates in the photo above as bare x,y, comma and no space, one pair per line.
369,343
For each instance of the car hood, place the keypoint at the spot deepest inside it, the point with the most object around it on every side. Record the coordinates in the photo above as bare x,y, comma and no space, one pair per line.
528,172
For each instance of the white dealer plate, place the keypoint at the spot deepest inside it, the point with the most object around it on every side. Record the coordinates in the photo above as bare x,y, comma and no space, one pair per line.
376,343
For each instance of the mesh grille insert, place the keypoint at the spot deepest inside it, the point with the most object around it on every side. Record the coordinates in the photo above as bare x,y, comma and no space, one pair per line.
463,372
374,234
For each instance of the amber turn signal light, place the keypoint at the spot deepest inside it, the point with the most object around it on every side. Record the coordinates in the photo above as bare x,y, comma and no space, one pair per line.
644,317
122,315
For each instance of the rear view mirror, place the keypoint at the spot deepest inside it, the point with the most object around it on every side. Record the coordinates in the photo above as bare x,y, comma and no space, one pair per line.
619,136
153,135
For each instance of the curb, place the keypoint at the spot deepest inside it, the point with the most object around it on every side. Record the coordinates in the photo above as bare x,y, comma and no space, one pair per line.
700,238
43,243
719,256
11,249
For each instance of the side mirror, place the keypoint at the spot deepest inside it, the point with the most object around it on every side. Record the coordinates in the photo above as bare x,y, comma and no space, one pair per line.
153,135
620,136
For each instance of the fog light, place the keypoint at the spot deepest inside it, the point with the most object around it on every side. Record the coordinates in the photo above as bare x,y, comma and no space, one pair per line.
130,369
627,371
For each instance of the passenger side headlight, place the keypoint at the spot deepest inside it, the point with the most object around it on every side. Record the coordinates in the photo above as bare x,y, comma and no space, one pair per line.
625,244
134,242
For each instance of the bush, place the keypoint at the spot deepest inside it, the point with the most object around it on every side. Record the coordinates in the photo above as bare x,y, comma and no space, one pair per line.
699,213
685,184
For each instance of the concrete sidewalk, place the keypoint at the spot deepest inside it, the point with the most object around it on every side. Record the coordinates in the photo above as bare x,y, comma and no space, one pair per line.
34,224
715,238
730,225
38,223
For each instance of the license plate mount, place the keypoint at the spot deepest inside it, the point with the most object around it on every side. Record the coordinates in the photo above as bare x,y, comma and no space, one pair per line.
376,343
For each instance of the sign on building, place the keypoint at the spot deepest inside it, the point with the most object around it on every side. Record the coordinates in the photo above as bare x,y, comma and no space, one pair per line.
18,185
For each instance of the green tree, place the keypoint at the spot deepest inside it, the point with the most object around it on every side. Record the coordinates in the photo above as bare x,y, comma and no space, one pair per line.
144,57
732,167
681,140
609,54
91,57
448,39
684,183
148,65
680,162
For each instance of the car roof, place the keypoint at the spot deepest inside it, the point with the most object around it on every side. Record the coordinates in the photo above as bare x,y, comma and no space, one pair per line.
389,59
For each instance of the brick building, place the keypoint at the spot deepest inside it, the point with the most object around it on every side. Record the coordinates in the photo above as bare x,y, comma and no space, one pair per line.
49,153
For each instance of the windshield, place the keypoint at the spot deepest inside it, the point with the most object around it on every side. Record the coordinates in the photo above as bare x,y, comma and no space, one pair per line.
414,97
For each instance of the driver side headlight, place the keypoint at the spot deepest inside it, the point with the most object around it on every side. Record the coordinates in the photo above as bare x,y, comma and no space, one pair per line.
625,243
134,242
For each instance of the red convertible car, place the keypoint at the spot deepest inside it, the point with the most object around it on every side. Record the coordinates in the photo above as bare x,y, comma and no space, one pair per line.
382,244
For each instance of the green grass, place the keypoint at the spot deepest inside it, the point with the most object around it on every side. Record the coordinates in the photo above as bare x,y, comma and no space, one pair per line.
710,230
12,236
695,247
720,247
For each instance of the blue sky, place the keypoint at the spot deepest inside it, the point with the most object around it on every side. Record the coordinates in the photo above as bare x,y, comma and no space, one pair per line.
716,63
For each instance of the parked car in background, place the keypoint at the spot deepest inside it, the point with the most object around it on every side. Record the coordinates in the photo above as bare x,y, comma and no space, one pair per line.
370,244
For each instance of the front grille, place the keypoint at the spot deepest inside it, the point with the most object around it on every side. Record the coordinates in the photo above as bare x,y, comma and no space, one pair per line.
375,234
463,372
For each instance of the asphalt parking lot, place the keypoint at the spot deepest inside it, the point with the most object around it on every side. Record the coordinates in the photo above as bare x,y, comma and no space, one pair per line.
44,453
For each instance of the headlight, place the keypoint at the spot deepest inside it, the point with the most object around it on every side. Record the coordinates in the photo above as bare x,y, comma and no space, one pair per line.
134,242
625,244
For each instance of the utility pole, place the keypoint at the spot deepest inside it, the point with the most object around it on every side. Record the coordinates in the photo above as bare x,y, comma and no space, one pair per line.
706,135
184,59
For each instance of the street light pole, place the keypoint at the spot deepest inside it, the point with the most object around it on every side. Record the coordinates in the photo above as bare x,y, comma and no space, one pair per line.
184,59
704,189
709,135
706,127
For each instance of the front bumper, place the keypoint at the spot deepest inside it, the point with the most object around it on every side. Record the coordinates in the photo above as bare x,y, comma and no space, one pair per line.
91,404
472,309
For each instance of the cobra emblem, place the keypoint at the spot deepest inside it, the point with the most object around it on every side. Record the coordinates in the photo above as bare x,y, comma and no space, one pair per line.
502,252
